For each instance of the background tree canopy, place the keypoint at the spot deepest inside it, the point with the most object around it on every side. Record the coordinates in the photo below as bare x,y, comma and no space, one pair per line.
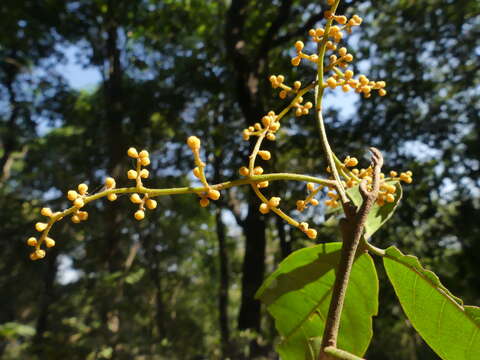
180,285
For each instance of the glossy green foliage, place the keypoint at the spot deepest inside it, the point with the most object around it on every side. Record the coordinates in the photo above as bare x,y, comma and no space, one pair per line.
379,215
298,294
449,327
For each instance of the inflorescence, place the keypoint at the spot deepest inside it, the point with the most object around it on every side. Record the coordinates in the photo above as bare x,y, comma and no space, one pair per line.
327,39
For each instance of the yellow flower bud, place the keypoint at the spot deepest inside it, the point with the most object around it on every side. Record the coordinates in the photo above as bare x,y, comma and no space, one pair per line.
49,242
82,215
82,189
139,215
78,203
143,154
40,253
243,171
32,241
144,173
257,170
214,194
75,219
274,201
132,152
39,226
72,195
132,174
264,209
299,46
110,183
194,143
151,204
135,198
204,202
112,197
46,212
314,202
145,161
311,233
264,154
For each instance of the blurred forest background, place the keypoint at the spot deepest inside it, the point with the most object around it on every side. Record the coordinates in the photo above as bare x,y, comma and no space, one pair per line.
180,284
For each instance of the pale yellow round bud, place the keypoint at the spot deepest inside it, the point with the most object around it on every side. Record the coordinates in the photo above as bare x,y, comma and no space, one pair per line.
257,170
82,215
331,82
135,198
82,189
314,202
132,174
110,183
194,143
270,136
144,173
40,253
300,205
296,61
49,242
145,161
214,194
151,204
264,209
143,154
382,92
265,155
274,201
72,195
46,212
132,152
78,203
139,215
262,184
204,202
297,84
196,172
32,241
75,219
299,46
39,226
112,197
310,186
311,233
243,171
33,256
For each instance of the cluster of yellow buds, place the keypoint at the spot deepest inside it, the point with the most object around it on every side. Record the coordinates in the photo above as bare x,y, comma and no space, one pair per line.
78,201
272,203
142,202
361,85
311,233
42,228
194,144
302,109
299,45
137,174
110,183
302,204
342,60
269,125
355,176
277,82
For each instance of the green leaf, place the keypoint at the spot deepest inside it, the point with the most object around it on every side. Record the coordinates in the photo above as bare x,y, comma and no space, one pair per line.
14,330
298,295
451,329
378,215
